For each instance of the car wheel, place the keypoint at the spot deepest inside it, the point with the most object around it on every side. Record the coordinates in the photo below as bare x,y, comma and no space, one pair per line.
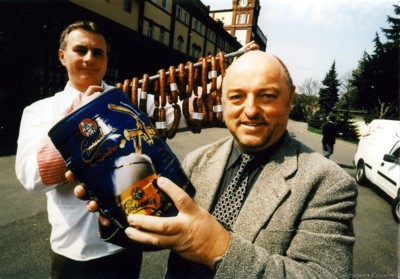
396,209
360,174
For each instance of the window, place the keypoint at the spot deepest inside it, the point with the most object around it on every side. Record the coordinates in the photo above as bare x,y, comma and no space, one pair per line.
198,52
150,30
195,24
162,34
211,35
194,50
178,12
180,43
185,17
164,4
242,18
128,5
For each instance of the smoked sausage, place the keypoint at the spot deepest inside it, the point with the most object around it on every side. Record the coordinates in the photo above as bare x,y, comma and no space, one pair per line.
143,94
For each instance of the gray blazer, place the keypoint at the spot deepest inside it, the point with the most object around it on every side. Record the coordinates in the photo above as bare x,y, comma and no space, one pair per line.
296,221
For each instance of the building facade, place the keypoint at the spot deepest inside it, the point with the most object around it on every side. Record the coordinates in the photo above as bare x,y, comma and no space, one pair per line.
180,25
145,36
241,21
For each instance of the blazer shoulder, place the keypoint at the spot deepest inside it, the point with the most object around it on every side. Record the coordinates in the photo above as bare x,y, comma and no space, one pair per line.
218,150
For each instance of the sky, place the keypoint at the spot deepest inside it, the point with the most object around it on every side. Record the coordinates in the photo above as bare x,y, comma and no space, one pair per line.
309,35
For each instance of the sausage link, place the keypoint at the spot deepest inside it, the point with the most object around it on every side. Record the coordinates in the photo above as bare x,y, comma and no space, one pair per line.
213,73
190,66
143,94
134,91
186,113
163,81
156,115
182,81
198,115
163,125
157,93
196,81
125,86
177,117
218,107
209,108
204,73
172,84
221,61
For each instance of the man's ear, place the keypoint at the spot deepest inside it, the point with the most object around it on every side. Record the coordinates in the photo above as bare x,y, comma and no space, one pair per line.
292,95
61,56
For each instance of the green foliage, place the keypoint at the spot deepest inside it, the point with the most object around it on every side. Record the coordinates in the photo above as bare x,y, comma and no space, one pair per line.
297,112
376,79
346,126
317,120
329,93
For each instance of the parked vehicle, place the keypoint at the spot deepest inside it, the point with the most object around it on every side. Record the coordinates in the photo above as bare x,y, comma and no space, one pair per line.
378,159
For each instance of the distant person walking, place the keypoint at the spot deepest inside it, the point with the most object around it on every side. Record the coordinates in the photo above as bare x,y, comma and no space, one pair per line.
329,132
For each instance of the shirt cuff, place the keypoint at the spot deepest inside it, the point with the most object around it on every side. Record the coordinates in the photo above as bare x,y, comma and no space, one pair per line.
51,165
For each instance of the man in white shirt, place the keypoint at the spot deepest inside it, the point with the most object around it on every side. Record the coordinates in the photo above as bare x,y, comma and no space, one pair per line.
77,251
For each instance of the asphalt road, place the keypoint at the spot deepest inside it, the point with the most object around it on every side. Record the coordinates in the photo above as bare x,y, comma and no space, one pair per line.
24,229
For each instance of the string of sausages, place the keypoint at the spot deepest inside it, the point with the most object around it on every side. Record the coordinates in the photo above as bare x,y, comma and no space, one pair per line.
181,83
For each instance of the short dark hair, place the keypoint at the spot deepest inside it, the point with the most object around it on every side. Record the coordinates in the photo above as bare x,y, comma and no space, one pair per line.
85,25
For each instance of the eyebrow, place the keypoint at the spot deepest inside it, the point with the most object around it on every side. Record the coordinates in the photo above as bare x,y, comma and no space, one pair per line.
84,46
262,89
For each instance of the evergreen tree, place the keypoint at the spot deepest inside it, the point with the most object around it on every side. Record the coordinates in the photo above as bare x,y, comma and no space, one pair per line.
347,126
317,120
393,33
329,93
297,112
376,80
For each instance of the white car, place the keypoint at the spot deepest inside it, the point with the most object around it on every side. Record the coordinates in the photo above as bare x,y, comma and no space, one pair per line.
378,159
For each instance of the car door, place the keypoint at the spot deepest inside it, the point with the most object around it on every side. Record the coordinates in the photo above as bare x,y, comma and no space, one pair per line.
388,176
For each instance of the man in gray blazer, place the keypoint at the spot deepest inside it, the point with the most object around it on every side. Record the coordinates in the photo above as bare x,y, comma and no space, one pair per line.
296,218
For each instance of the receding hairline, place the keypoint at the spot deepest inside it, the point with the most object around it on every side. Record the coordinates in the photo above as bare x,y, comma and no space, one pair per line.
258,53
88,26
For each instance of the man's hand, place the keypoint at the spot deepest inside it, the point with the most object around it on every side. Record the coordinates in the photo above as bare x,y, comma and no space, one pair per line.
91,93
251,46
80,193
193,233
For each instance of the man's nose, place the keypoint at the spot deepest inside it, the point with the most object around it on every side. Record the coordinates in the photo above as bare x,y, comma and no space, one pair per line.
88,56
250,106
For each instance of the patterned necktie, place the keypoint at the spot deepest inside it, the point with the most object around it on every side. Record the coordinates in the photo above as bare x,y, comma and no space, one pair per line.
230,202
226,210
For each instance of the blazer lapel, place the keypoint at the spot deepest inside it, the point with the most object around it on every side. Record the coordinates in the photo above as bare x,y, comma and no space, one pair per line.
210,175
268,191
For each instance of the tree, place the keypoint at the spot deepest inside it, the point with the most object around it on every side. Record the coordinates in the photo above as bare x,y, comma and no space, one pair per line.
346,126
329,93
393,33
346,93
317,120
376,79
306,99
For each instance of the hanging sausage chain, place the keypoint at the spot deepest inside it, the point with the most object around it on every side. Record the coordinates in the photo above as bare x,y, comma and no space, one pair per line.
179,84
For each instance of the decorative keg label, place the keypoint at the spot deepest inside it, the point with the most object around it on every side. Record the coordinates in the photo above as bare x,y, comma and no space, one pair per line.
141,198
88,127
116,151
101,139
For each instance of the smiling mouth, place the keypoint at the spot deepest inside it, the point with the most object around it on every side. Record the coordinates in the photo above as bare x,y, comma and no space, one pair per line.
89,70
253,124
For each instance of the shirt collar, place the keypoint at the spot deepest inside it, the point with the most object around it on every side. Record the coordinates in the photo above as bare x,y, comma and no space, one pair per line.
76,92
260,158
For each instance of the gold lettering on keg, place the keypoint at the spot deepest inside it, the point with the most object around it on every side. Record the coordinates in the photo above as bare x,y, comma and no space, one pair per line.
141,198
